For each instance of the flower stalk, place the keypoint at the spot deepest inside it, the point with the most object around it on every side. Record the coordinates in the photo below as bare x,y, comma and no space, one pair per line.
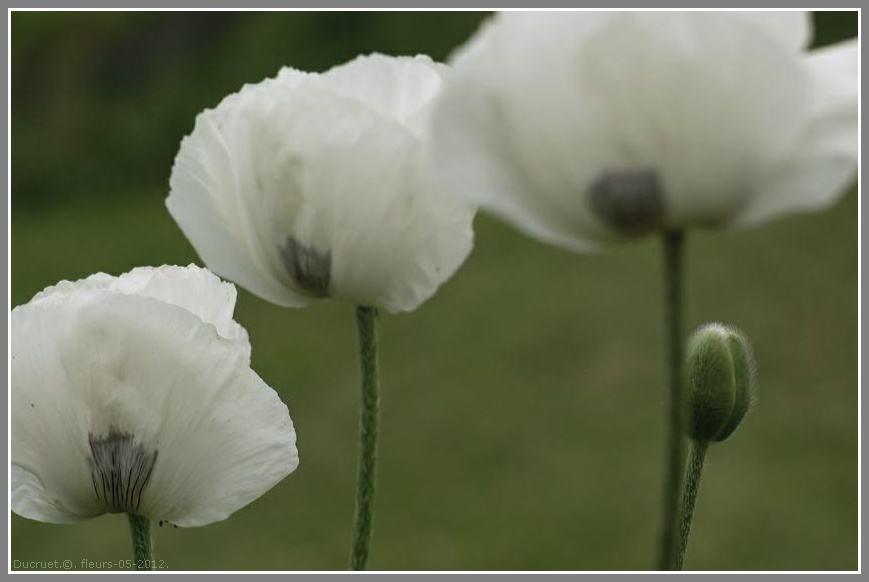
696,459
673,254
364,520
719,378
140,530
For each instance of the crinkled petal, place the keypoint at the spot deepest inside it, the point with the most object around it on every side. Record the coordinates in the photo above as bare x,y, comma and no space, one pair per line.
365,196
207,186
222,436
333,194
399,88
195,289
50,477
104,363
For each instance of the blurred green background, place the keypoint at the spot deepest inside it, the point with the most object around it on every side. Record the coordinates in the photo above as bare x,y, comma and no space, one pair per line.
522,413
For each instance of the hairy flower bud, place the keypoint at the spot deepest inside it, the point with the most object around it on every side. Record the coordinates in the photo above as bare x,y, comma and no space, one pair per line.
719,374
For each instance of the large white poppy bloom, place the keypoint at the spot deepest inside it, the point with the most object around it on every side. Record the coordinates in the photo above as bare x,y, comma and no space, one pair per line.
313,185
135,394
583,128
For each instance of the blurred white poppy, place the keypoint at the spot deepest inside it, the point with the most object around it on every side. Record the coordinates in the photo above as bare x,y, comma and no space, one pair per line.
584,128
319,185
134,394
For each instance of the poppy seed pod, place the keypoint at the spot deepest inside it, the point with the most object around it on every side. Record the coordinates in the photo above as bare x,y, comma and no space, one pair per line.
719,375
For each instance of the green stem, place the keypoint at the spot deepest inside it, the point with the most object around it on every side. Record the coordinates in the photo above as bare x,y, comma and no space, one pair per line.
140,529
696,458
673,251
366,324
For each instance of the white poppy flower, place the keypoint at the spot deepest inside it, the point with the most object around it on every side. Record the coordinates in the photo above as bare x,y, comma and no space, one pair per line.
313,185
135,395
584,128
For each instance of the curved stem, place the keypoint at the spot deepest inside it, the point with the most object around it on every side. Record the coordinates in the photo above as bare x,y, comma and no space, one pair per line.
673,251
140,529
366,324
696,458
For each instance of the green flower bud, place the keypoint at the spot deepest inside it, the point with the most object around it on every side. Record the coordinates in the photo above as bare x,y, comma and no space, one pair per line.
719,376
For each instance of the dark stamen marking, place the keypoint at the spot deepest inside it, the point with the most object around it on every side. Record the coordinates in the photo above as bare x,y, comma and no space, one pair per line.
310,269
120,470
630,201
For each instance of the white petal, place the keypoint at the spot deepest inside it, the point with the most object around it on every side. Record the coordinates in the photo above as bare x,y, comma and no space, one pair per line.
823,161
835,70
473,147
222,436
195,289
366,196
61,290
288,78
207,186
51,480
133,365
399,88
793,28
526,124
30,499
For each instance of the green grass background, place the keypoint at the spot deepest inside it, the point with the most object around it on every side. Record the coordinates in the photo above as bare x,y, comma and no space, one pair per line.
522,406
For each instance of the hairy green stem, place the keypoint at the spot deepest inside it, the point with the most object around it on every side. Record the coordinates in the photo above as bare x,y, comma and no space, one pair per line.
696,458
673,252
364,521
140,529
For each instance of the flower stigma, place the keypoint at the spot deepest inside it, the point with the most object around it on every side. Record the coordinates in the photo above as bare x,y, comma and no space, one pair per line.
309,268
630,201
120,470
